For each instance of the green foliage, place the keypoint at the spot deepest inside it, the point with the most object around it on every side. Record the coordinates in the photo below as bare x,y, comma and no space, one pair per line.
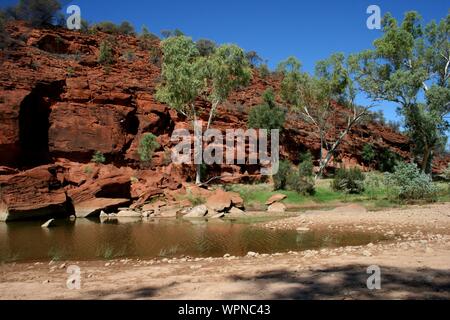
126,28
36,12
368,153
146,39
268,115
280,178
349,181
98,157
106,56
172,33
155,56
306,166
301,184
264,71
407,182
408,62
147,147
374,185
387,160
253,58
446,172
181,73
206,47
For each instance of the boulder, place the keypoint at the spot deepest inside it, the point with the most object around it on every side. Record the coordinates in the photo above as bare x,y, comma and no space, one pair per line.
94,206
276,198
33,194
197,212
236,200
219,201
277,207
218,215
236,212
129,214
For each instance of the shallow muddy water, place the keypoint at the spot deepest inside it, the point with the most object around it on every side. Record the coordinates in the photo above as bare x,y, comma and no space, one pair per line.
89,239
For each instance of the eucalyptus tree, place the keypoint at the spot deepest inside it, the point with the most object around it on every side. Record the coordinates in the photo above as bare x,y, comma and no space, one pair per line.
188,76
314,98
410,66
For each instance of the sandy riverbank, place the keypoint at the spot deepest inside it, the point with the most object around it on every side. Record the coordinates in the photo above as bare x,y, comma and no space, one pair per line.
415,265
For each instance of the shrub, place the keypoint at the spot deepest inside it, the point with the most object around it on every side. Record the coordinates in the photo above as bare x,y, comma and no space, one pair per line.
373,184
172,33
146,39
205,47
301,184
126,28
105,56
98,157
106,27
264,71
387,160
36,12
154,56
349,181
368,154
280,178
147,147
407,182
306,166
268,115
446,172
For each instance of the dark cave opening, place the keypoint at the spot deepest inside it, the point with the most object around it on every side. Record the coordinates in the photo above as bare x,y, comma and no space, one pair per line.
34,124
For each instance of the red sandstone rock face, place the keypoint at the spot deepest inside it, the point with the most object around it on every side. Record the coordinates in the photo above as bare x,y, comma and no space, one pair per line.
57,105
33,194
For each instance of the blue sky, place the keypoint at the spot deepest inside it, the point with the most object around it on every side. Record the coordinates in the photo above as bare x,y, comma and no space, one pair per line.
309,30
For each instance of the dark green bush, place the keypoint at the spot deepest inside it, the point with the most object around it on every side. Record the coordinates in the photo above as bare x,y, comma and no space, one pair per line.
387,160
206,47
36,12
349,181
280,178
126,28
306,166
268,115
368,154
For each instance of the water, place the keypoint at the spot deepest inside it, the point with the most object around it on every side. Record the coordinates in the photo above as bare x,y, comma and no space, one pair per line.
89,239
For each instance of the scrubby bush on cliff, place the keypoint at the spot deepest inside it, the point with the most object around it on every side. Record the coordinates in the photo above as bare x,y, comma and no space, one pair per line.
105,56
36,12
268,115
98,157
206,47
407,182
264,71
147,147
349,181
124,28
146,39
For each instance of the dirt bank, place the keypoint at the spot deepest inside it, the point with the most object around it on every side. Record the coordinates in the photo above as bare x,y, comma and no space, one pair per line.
415,265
